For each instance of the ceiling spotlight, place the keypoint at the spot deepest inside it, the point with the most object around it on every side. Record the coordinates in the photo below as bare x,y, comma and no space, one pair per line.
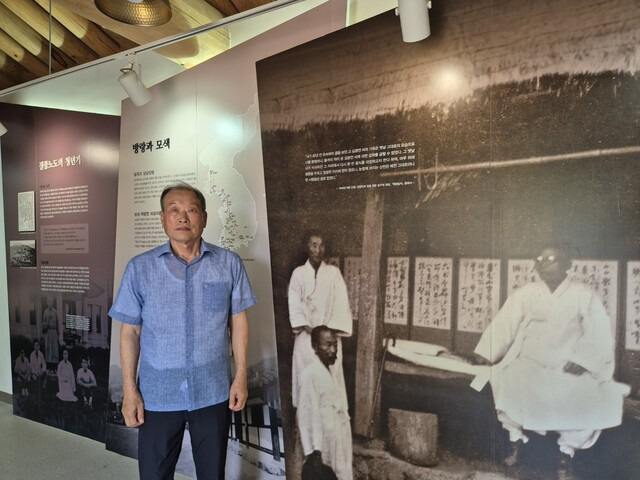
132,84
136,12
414,19
3,129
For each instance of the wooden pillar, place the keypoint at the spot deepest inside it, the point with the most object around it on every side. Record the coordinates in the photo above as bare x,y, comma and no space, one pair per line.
369,348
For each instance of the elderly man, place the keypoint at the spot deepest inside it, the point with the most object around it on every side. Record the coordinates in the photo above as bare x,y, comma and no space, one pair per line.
322,414
317,296
177,303
553,347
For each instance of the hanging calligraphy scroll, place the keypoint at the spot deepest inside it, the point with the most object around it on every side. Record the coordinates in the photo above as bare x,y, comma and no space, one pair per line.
432,292
396,300
602,277
632,340
478,293
519,273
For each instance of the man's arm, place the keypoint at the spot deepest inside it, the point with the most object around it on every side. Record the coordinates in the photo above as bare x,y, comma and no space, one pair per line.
594,351
341,320
92,380
298,310
574,368
132,403
240,344
498,337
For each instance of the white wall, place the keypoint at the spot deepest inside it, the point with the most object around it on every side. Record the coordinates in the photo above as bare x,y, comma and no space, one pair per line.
5,355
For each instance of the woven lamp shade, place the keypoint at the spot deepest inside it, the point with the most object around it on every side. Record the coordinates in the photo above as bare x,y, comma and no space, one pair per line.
145,12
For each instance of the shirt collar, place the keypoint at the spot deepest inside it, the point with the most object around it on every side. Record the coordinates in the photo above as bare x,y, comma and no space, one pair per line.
322,264
204,247
564,285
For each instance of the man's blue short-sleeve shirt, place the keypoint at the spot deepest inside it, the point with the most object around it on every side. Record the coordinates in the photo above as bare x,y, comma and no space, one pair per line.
184,310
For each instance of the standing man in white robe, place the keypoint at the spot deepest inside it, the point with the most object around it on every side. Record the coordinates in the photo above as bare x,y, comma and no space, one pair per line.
553,350
317,296
323,417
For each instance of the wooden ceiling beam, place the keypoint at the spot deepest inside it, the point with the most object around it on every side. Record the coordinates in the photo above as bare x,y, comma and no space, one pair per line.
244,5
14,71
231,7
81,33
88,32
23,56
226,7
187,14
59,35
6,82
125,43
32,41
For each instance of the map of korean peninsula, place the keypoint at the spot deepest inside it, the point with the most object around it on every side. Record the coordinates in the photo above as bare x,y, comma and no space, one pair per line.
237,213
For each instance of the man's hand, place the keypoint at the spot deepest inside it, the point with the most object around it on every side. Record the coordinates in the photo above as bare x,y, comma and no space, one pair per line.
574,369
132,403
238,394
479,360
304,328
240,344
133,409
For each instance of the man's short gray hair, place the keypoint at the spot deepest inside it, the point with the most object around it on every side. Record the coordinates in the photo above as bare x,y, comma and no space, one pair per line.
183,186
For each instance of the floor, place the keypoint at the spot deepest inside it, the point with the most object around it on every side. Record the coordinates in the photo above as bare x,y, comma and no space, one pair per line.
33,451
30,450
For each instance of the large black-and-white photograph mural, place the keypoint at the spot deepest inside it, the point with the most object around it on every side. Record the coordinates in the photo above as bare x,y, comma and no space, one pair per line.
454,233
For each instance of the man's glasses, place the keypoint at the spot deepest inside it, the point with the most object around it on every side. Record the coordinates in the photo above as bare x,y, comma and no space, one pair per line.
549,258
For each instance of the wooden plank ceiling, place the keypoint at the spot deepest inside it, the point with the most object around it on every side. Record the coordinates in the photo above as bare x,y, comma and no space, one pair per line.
80,33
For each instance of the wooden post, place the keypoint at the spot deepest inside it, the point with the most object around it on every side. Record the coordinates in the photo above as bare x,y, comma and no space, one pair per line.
369,322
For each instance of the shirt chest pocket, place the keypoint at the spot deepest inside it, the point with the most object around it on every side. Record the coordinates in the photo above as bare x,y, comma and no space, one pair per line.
215,297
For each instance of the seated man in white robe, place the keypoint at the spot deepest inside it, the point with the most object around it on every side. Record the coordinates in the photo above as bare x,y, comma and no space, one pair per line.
553,350
323,418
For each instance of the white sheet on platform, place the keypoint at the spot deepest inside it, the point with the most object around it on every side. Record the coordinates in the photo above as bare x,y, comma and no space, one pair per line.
426,355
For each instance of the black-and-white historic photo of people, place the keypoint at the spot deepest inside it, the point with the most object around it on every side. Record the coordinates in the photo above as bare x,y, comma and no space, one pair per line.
553,347
319,314
480,192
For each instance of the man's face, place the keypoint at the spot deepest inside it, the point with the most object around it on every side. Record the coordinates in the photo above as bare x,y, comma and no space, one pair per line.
551,265
315,248
84,364
327,348
65,355
36,346
182,217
